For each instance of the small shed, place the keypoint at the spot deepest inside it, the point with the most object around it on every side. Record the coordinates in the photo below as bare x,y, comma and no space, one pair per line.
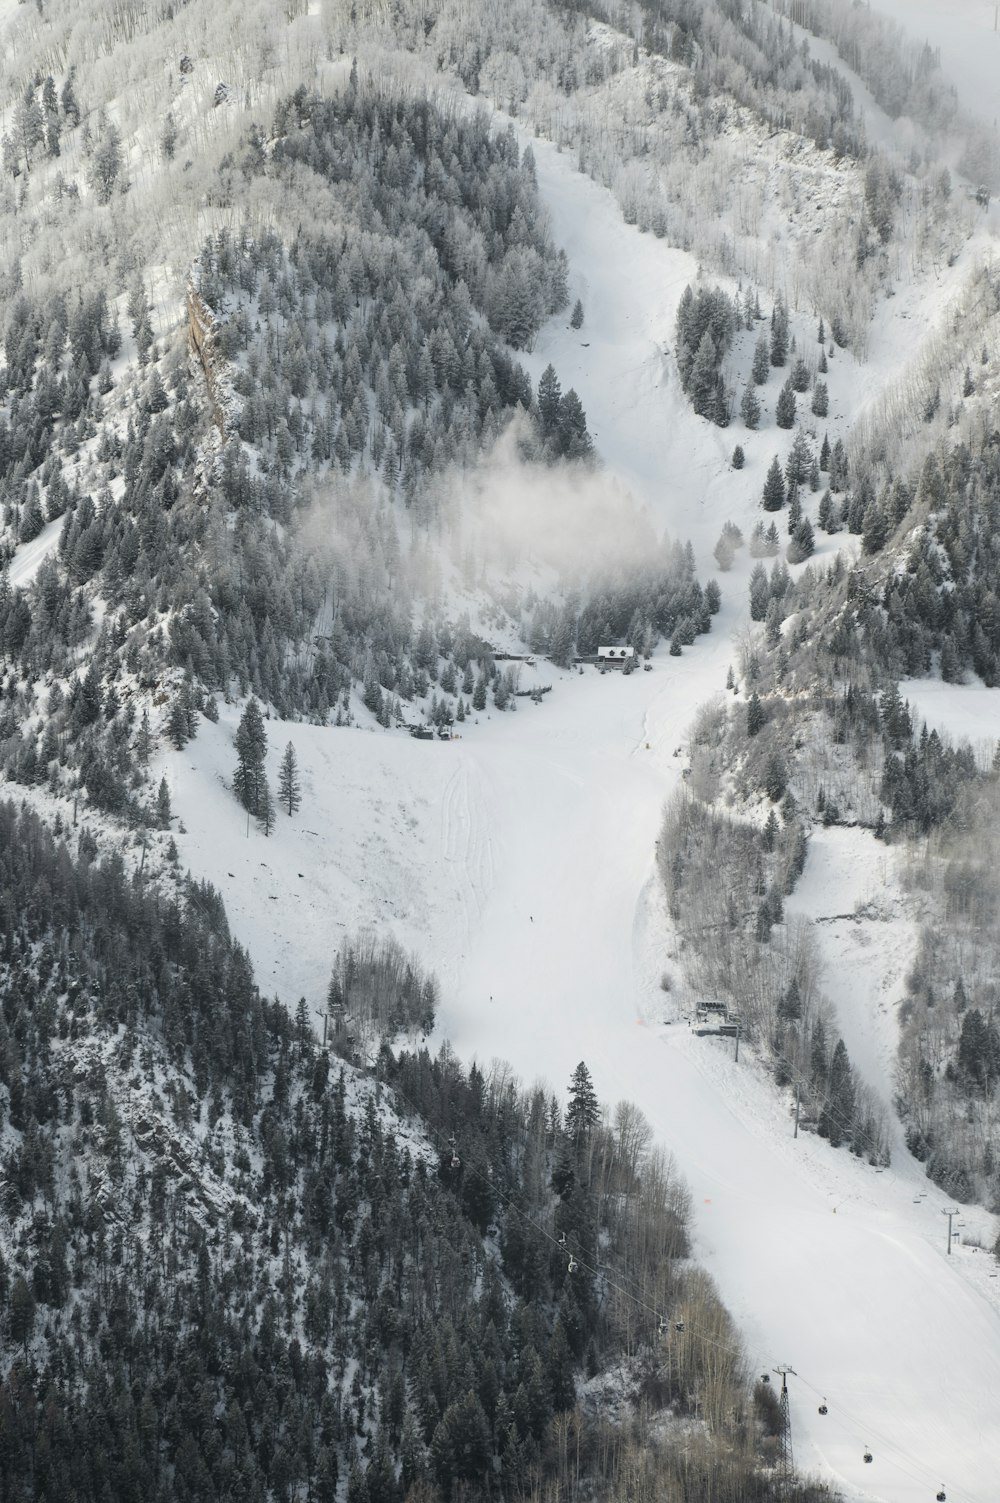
615,654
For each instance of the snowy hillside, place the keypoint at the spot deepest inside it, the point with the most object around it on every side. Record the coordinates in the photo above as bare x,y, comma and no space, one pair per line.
388,489
518,863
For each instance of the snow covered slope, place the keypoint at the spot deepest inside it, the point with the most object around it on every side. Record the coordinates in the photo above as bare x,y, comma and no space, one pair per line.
518,861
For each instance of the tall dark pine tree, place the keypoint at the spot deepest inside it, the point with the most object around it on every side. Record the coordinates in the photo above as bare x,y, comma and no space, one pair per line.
289,788
774,487
549,401
583,1112
779,333
249,779
837,1117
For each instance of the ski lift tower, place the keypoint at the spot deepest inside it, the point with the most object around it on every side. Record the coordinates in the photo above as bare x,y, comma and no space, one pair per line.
786,1463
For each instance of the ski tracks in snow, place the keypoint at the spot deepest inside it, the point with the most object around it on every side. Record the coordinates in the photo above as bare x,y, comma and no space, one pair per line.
467,842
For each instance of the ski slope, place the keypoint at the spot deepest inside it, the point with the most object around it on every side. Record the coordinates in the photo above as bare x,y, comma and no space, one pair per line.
518,862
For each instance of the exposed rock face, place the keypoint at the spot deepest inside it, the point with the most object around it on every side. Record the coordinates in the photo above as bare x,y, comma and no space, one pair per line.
201,331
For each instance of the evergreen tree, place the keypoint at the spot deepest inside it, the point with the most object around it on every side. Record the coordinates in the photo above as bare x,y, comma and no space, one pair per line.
576,317
574,440
779,333
21,1320
583,1112
106,165
289,789
794,509
265,805
750,407
549,401
799,460
790,1005
760,369
249,779
837,1117
774,487
724,553
177,723
820,402
759,593
875,528
803,543
784,409
163,804
755,714
701,381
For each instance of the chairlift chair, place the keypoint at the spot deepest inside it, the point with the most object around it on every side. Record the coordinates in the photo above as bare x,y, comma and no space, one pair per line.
678,1325
662,1326
941,1495
456,1162
571,1265
868,1455
562,1239
823,1409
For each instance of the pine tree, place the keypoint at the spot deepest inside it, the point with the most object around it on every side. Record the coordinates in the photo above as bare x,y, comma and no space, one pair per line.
701,381
837,1117
265,805
800,378
144,738
549,401
790,1005
755,714
794,509
803,543
875,528
779,333
249,780
574,440
583,1112
750,406
724,553
759,593
785,407
21,1320
761,362
163,804
289,789
774,487
576,317
820,401
739,459
799,460
775,778
177,724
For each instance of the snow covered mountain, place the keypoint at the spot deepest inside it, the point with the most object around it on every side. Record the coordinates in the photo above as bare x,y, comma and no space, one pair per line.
344,372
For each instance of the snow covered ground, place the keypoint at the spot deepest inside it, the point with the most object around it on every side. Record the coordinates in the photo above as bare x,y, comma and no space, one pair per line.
964,712
518,862
29,556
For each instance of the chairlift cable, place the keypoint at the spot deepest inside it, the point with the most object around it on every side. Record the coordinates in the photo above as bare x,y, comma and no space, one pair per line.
735,1349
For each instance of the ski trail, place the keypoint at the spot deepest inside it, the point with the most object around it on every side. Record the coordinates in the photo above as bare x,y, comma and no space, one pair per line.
466,841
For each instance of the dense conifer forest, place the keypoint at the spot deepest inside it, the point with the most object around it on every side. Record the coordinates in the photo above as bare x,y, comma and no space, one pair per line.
235,1266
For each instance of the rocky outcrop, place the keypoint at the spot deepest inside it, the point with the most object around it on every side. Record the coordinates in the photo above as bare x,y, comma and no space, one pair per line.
201,332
